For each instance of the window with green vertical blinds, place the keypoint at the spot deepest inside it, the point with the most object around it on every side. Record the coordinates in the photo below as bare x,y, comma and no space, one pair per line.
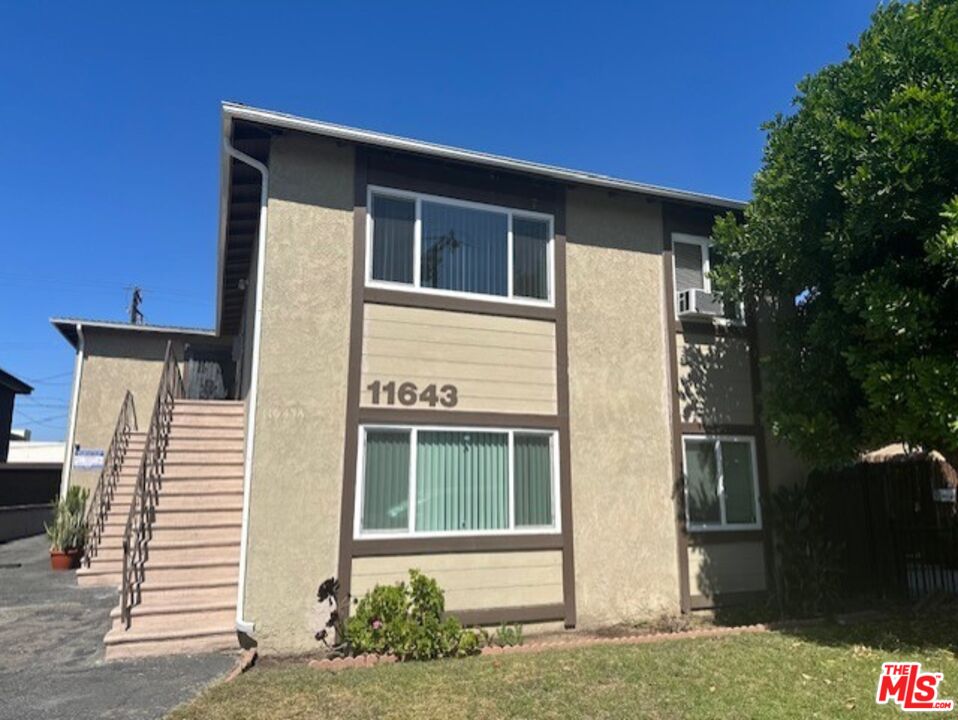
464,481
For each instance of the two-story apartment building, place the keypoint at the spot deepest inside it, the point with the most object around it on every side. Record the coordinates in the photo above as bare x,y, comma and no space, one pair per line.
510,376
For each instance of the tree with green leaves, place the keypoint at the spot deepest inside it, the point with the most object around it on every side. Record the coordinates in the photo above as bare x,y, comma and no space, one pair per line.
850,245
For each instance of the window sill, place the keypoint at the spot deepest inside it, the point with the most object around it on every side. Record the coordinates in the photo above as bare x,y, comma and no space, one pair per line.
412,545
391,295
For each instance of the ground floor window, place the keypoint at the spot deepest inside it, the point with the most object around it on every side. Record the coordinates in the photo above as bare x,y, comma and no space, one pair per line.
443,481
721,489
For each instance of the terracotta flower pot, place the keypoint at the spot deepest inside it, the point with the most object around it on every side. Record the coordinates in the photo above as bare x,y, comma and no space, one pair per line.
65,559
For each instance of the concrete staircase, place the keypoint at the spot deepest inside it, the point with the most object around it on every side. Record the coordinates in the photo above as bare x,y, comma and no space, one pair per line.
188,594
105,566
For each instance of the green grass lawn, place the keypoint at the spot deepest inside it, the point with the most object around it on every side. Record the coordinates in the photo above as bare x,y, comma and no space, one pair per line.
821,671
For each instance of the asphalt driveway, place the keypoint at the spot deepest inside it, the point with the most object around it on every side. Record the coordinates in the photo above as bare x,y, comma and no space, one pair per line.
51,650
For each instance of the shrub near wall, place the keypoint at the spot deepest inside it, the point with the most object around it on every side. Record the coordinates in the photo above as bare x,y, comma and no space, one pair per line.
402,620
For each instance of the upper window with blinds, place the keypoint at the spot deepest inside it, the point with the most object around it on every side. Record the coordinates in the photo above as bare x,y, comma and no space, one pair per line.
445,481
438,245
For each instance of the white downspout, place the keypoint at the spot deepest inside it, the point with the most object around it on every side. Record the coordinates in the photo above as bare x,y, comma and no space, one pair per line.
74,403
243,625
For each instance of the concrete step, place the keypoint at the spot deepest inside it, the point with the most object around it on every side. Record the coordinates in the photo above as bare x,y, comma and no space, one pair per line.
171,551
215,532
181,432
191,518
172,494
184,443
214,591
180,570
190,571
216,500
209,407
99,577
197,619
184,419
197,470
134,643
179,452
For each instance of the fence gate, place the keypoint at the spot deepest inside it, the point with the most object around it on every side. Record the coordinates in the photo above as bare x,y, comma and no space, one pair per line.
895,527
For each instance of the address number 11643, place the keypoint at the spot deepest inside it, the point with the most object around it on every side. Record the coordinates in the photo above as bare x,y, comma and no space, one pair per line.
408,394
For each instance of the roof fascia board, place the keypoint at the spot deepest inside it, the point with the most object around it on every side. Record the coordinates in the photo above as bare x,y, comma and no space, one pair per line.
293,122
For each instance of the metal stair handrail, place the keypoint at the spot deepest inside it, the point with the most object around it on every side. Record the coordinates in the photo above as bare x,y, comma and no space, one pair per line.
102,498
139,521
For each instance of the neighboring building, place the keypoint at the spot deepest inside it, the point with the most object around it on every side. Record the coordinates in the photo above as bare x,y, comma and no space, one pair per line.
10,387
495,371
26,486
34,451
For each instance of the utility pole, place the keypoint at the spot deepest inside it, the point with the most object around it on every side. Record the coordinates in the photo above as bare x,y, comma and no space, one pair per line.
136,317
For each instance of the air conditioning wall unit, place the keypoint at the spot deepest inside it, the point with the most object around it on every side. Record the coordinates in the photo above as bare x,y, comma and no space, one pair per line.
697,303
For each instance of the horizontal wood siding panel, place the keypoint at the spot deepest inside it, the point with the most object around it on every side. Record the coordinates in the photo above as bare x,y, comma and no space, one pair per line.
472,581
721,568
498,364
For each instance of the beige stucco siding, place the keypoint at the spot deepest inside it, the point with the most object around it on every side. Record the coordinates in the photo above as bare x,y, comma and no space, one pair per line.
726,568
472,581
496,364
112,364
297,472
624,517
714,380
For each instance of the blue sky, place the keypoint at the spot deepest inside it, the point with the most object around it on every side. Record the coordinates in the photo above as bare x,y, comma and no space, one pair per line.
109,120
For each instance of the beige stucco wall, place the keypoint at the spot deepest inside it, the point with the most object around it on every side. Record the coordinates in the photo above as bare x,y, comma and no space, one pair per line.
114,362
297,471
497,364
472,581
714,380
623,513
726,568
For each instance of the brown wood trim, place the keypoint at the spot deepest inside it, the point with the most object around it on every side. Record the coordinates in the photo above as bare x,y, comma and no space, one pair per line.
671,341
462,181
744,597
722,537
708,329
404,416
690,428
354,380
446,545
518,614
562,396
764,489
385,296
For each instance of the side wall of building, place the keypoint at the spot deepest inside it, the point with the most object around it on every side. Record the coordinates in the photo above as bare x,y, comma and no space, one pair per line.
619,409
114,362
298,451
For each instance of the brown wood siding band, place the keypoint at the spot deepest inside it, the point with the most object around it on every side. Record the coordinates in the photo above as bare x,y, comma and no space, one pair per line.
446,545
745,597
518,614
461,181
402,416
719,429
350,444
385,296
562,396
760,450
708,329
699,539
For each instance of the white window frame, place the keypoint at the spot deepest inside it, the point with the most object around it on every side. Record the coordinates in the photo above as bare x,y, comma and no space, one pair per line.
410,532
722,525
416,285
705,244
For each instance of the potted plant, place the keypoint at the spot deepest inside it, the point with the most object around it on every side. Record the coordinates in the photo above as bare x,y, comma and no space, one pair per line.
67,532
